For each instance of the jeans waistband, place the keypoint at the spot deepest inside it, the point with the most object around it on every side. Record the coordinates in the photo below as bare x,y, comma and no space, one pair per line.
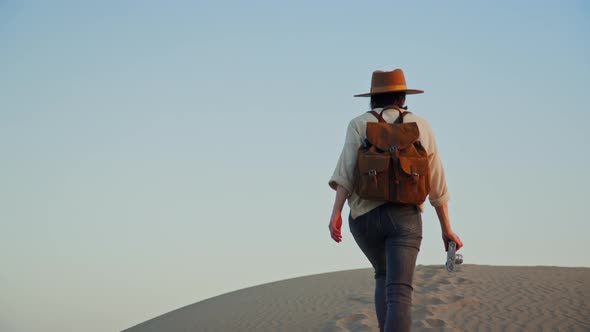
401,206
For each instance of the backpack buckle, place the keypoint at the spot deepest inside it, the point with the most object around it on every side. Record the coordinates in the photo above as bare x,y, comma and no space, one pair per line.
393,151
373,174
415,175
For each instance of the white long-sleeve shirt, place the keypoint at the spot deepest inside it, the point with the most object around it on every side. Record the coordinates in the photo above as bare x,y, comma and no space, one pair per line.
356,133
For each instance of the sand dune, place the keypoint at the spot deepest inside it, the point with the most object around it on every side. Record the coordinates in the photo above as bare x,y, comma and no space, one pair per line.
488,298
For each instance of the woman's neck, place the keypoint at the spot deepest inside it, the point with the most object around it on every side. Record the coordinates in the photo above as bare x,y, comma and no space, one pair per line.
394,106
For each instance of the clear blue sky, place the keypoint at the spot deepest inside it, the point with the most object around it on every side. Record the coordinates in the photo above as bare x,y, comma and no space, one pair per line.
155,154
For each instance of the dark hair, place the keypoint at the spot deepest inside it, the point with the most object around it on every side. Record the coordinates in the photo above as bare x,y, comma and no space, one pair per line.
386,99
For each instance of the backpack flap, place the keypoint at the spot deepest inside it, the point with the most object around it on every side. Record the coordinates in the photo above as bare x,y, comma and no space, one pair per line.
414,167
374,174
414,183
373,164
385,135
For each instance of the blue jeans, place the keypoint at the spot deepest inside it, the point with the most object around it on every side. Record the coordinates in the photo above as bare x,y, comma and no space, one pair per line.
390,236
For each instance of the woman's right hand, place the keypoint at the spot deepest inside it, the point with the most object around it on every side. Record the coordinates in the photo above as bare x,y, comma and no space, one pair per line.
451,236
442,211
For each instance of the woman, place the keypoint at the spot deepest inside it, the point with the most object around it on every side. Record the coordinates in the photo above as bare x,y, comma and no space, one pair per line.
389,234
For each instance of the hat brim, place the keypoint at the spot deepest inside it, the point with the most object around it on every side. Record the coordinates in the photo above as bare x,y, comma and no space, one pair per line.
407,91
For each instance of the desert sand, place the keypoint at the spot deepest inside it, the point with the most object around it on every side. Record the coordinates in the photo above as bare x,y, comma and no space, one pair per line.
475,298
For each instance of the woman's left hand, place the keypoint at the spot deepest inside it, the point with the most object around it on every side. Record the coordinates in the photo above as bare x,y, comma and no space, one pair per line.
335,226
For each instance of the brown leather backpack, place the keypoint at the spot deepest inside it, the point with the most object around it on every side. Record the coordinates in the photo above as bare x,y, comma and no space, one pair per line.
392,164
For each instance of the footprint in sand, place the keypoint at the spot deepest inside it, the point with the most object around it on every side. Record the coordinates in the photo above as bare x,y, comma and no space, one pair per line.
452,298
361,299
427,299
352,322
434,322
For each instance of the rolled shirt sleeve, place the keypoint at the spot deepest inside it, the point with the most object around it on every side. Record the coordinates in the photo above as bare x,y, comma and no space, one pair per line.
439,193
344,172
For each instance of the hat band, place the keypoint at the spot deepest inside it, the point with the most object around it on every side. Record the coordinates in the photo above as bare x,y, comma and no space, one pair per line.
388,88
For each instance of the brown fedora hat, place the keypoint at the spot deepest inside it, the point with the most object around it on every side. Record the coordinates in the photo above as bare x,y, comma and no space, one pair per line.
389,81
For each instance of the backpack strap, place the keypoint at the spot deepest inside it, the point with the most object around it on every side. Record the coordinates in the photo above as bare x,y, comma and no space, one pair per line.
400,118
378,116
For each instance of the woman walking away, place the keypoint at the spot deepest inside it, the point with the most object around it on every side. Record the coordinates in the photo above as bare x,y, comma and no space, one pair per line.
387,168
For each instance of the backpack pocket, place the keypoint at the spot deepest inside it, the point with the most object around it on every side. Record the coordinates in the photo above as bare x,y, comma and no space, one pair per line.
373,177
414,184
